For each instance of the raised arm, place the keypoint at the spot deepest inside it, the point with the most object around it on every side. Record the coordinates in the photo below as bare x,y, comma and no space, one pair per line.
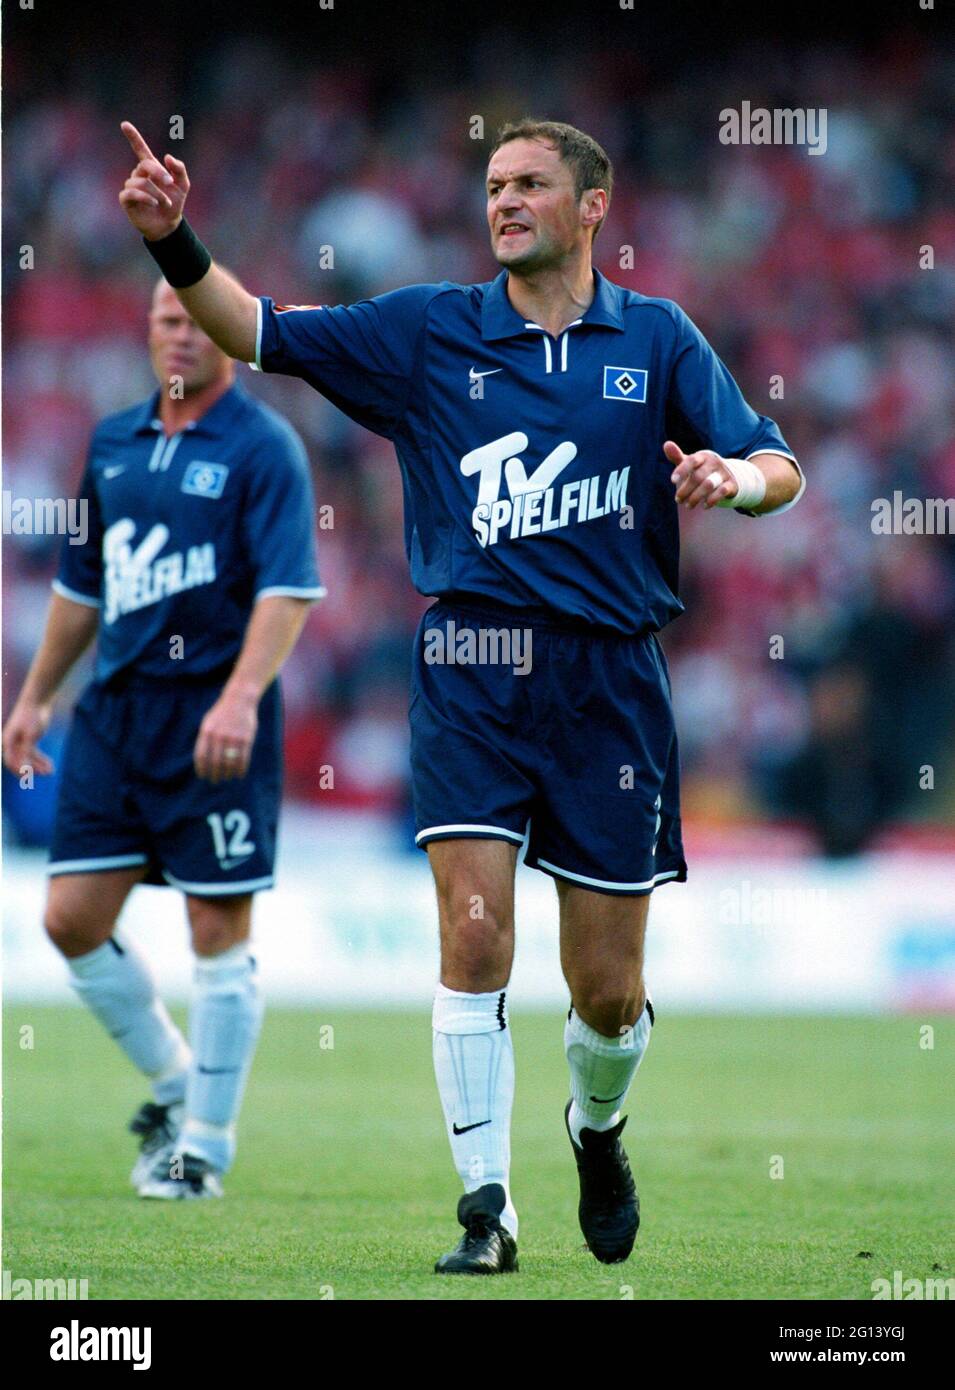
153,198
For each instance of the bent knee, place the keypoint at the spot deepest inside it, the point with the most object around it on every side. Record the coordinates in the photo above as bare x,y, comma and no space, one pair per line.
213,940
476,918
71,931
476,936
609,1007
217,924
476,951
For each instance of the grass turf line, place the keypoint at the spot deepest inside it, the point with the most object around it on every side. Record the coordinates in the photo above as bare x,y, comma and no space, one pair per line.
343,1187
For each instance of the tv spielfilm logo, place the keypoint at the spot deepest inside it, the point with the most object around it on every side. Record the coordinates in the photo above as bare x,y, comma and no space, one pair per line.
534,504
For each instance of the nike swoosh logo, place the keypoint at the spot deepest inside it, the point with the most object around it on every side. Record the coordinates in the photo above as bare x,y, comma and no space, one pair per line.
597,1100
476,376
465,1128
114,472
218,1071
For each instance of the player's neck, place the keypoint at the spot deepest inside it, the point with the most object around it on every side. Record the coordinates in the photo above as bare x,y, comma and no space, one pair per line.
175,414
555,297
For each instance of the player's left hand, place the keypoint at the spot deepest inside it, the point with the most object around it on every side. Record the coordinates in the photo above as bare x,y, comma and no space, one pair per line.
226,735
154,195
700,477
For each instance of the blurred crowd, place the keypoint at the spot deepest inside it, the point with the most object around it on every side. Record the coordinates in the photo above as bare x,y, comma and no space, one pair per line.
814,668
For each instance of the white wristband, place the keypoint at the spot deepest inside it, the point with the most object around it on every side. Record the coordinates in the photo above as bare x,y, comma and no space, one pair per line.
751,482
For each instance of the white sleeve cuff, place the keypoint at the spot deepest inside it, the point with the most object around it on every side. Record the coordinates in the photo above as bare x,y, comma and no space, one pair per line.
73,595
290,591
257,364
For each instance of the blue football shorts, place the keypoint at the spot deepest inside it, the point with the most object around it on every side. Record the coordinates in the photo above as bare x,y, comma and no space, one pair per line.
560,736
129,794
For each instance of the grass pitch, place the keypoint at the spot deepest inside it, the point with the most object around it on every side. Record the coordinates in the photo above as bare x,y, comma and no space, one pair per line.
344,1187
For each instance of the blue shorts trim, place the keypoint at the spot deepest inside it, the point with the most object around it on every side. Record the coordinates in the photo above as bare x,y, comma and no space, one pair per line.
219,890
601,885
468,832
96,866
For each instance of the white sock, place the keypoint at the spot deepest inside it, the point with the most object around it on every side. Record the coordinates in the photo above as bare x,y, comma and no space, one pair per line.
601,1070
224,1026
474,1068
116,984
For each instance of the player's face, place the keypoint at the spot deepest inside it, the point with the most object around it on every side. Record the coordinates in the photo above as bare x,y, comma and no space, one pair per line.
178,346
532,209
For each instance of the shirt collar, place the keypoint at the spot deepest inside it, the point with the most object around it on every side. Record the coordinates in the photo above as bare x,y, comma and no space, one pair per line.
216,422
499,318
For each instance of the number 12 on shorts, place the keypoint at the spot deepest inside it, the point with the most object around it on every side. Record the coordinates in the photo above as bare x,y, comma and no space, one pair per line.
229,837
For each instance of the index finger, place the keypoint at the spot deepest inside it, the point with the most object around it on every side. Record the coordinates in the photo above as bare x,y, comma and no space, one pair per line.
140,149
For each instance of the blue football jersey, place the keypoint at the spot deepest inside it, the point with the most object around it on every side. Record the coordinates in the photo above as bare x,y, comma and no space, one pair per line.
185,533
533,466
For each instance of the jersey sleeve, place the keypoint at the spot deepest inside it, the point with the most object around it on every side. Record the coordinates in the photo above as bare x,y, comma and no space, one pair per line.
706,408
278,519
80,571
361,356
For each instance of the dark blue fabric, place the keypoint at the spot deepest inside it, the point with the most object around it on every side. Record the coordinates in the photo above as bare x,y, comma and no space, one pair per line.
533,467
583,746
184,533
128,787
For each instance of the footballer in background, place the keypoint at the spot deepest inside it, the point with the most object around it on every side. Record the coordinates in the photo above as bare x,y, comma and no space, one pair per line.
195,579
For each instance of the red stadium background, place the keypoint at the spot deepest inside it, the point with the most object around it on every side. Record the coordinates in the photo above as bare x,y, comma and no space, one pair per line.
353,127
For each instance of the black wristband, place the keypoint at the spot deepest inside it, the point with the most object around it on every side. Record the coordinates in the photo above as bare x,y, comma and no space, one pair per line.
181,256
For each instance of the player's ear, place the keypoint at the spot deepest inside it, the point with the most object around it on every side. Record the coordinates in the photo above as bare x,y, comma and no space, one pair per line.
594,206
